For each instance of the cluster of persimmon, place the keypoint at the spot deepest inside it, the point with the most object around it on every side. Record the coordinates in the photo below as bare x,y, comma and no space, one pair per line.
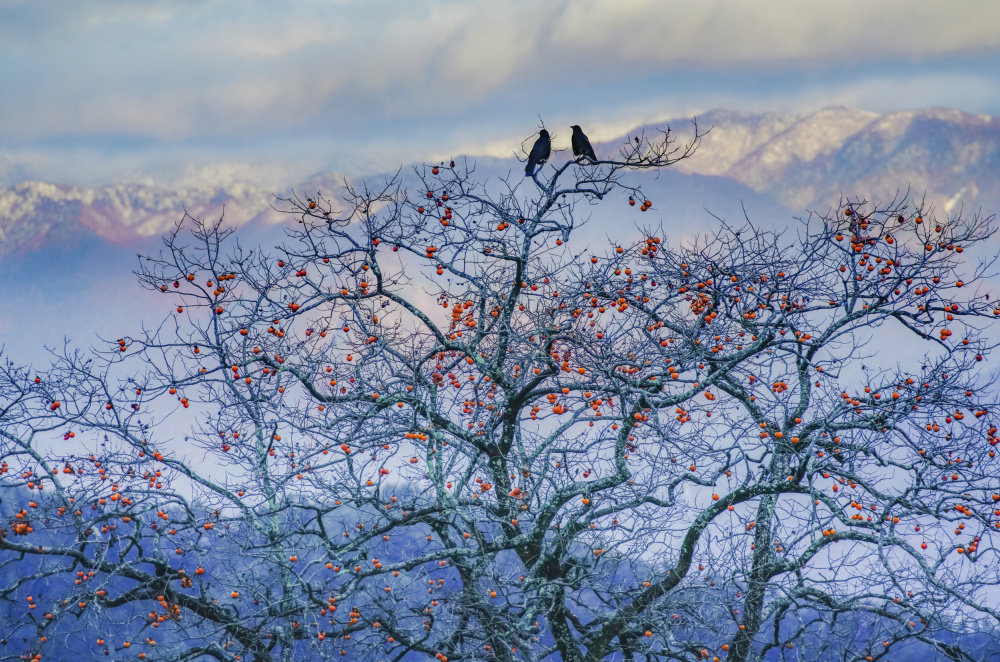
671,319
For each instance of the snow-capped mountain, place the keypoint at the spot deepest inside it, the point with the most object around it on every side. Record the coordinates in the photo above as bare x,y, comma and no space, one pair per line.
66,252
809,162
798,162
32,212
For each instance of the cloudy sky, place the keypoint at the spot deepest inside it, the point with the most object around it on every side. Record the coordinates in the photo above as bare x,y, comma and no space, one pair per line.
99,91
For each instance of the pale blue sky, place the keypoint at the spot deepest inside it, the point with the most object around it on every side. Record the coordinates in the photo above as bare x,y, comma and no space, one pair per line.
99,91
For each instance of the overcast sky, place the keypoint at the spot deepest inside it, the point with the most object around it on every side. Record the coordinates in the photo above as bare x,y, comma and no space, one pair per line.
98,91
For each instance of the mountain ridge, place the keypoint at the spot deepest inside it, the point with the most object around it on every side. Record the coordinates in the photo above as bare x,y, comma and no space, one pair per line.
800,161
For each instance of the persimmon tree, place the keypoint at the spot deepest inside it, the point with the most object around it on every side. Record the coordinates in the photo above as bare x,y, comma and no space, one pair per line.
435,424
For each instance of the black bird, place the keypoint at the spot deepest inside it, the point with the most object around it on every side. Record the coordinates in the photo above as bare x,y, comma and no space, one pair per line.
581,144
539,153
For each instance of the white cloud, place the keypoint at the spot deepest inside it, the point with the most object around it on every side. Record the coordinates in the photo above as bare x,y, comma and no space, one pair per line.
372,84
728,31
244,64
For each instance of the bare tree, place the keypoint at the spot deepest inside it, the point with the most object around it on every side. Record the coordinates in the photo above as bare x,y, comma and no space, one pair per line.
431,427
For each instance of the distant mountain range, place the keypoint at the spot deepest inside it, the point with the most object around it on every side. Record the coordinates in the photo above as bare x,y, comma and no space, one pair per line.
33,212
795,162
66,252
807,162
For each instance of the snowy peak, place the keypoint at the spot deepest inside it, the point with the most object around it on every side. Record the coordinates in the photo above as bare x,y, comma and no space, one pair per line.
937,152
32,212
812,137
949,157
731,137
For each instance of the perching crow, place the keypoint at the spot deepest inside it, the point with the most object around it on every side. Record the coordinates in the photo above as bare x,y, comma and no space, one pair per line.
581,145
539,153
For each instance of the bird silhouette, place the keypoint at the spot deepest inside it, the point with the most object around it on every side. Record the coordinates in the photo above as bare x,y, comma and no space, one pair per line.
539,153
581,144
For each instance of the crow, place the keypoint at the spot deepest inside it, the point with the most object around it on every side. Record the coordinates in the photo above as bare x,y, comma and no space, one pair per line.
581,145
539,153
